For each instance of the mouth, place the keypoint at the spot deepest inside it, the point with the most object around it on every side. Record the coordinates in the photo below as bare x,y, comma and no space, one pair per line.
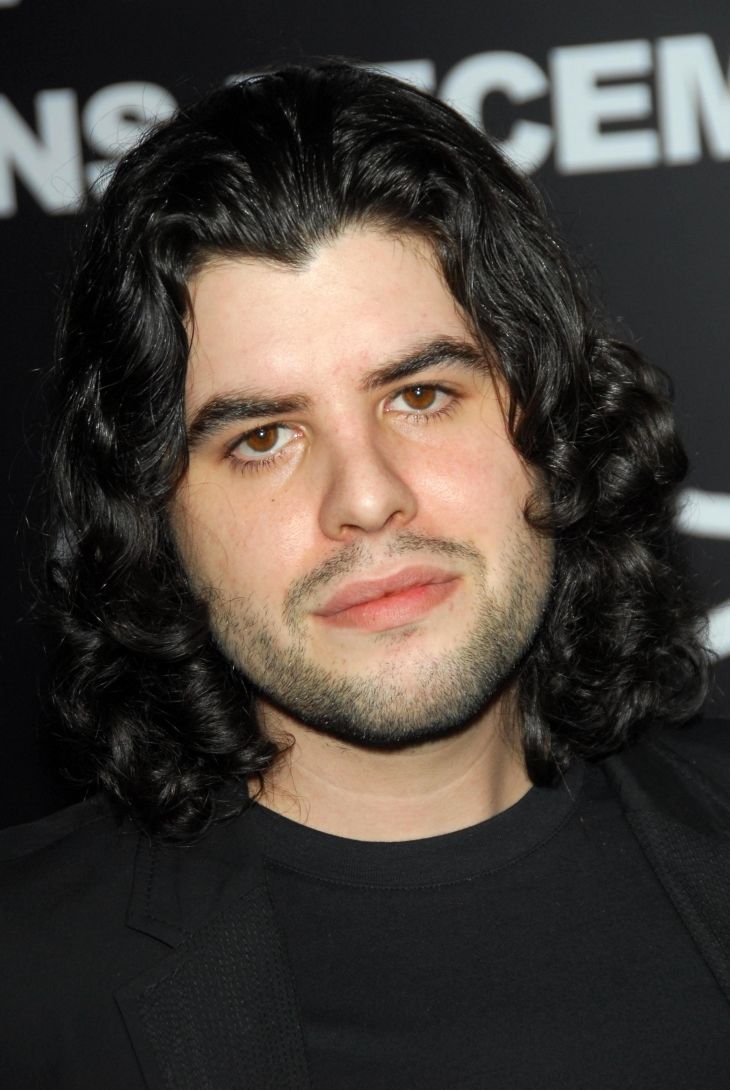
396,600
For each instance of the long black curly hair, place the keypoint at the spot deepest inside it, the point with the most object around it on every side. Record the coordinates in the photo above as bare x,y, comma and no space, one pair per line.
270,167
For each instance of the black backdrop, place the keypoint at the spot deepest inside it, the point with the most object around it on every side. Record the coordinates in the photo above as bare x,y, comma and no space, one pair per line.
624,110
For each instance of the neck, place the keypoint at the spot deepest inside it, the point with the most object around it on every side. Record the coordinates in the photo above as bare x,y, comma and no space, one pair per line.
421,791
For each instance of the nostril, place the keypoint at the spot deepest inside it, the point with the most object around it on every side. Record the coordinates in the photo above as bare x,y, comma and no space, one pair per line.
366,495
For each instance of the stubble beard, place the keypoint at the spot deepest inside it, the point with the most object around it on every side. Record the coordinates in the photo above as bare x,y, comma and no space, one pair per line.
380,708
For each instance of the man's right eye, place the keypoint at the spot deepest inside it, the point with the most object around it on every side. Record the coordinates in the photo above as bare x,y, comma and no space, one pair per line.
262,444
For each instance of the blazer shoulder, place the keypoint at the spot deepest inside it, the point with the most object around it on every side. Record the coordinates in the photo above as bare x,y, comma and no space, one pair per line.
82,850
683,772
18,841
703,743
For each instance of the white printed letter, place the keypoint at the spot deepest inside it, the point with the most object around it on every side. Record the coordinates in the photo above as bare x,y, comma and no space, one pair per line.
692,89
468,83
50,162
581,104
117,116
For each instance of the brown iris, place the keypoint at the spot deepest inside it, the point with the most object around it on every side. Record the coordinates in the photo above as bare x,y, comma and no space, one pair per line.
420,397
263,439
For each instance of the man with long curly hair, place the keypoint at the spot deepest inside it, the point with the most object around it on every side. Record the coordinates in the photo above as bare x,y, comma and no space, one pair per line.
375,637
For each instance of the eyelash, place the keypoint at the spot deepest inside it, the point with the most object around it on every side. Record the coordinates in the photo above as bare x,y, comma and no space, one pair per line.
426,416
414,417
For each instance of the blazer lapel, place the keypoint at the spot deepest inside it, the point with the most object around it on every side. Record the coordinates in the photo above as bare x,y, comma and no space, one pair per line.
682,821
218,1012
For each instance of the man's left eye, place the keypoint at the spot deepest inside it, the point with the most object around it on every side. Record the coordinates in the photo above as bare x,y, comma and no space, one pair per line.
419,399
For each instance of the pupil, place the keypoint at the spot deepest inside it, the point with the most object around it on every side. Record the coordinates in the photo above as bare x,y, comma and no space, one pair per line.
421,396
262,439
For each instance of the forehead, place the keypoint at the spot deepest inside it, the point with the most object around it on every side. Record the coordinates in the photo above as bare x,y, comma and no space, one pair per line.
362,298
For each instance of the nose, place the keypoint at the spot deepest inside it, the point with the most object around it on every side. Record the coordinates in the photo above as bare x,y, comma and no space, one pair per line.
365,491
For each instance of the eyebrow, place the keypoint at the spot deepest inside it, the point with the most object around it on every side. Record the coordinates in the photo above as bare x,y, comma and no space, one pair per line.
445,351
218,412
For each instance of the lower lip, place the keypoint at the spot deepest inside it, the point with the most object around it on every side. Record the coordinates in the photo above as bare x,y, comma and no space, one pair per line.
393,610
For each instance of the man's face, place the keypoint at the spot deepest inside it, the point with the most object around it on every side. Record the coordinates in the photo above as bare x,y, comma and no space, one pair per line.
353,507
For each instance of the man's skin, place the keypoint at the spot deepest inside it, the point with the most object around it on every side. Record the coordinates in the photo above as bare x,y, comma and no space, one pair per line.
362,464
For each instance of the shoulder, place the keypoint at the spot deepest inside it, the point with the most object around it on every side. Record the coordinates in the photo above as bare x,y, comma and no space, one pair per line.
74,863
681,772
61,827
65,950
79,835
703,745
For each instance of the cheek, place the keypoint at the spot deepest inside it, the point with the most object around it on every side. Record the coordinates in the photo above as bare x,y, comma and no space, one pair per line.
228,540
202,538
479,489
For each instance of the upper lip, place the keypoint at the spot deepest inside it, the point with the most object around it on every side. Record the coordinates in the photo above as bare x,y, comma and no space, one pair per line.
367,590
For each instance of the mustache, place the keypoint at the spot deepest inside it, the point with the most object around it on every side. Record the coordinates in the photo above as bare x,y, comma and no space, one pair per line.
356,556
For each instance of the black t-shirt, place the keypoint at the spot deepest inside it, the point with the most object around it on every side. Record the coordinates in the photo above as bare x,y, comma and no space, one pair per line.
536,949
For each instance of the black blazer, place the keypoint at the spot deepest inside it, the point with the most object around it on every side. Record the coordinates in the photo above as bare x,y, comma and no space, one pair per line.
124,965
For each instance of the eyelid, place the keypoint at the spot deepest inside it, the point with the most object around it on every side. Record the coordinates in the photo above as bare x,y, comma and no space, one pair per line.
263,455
439,387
